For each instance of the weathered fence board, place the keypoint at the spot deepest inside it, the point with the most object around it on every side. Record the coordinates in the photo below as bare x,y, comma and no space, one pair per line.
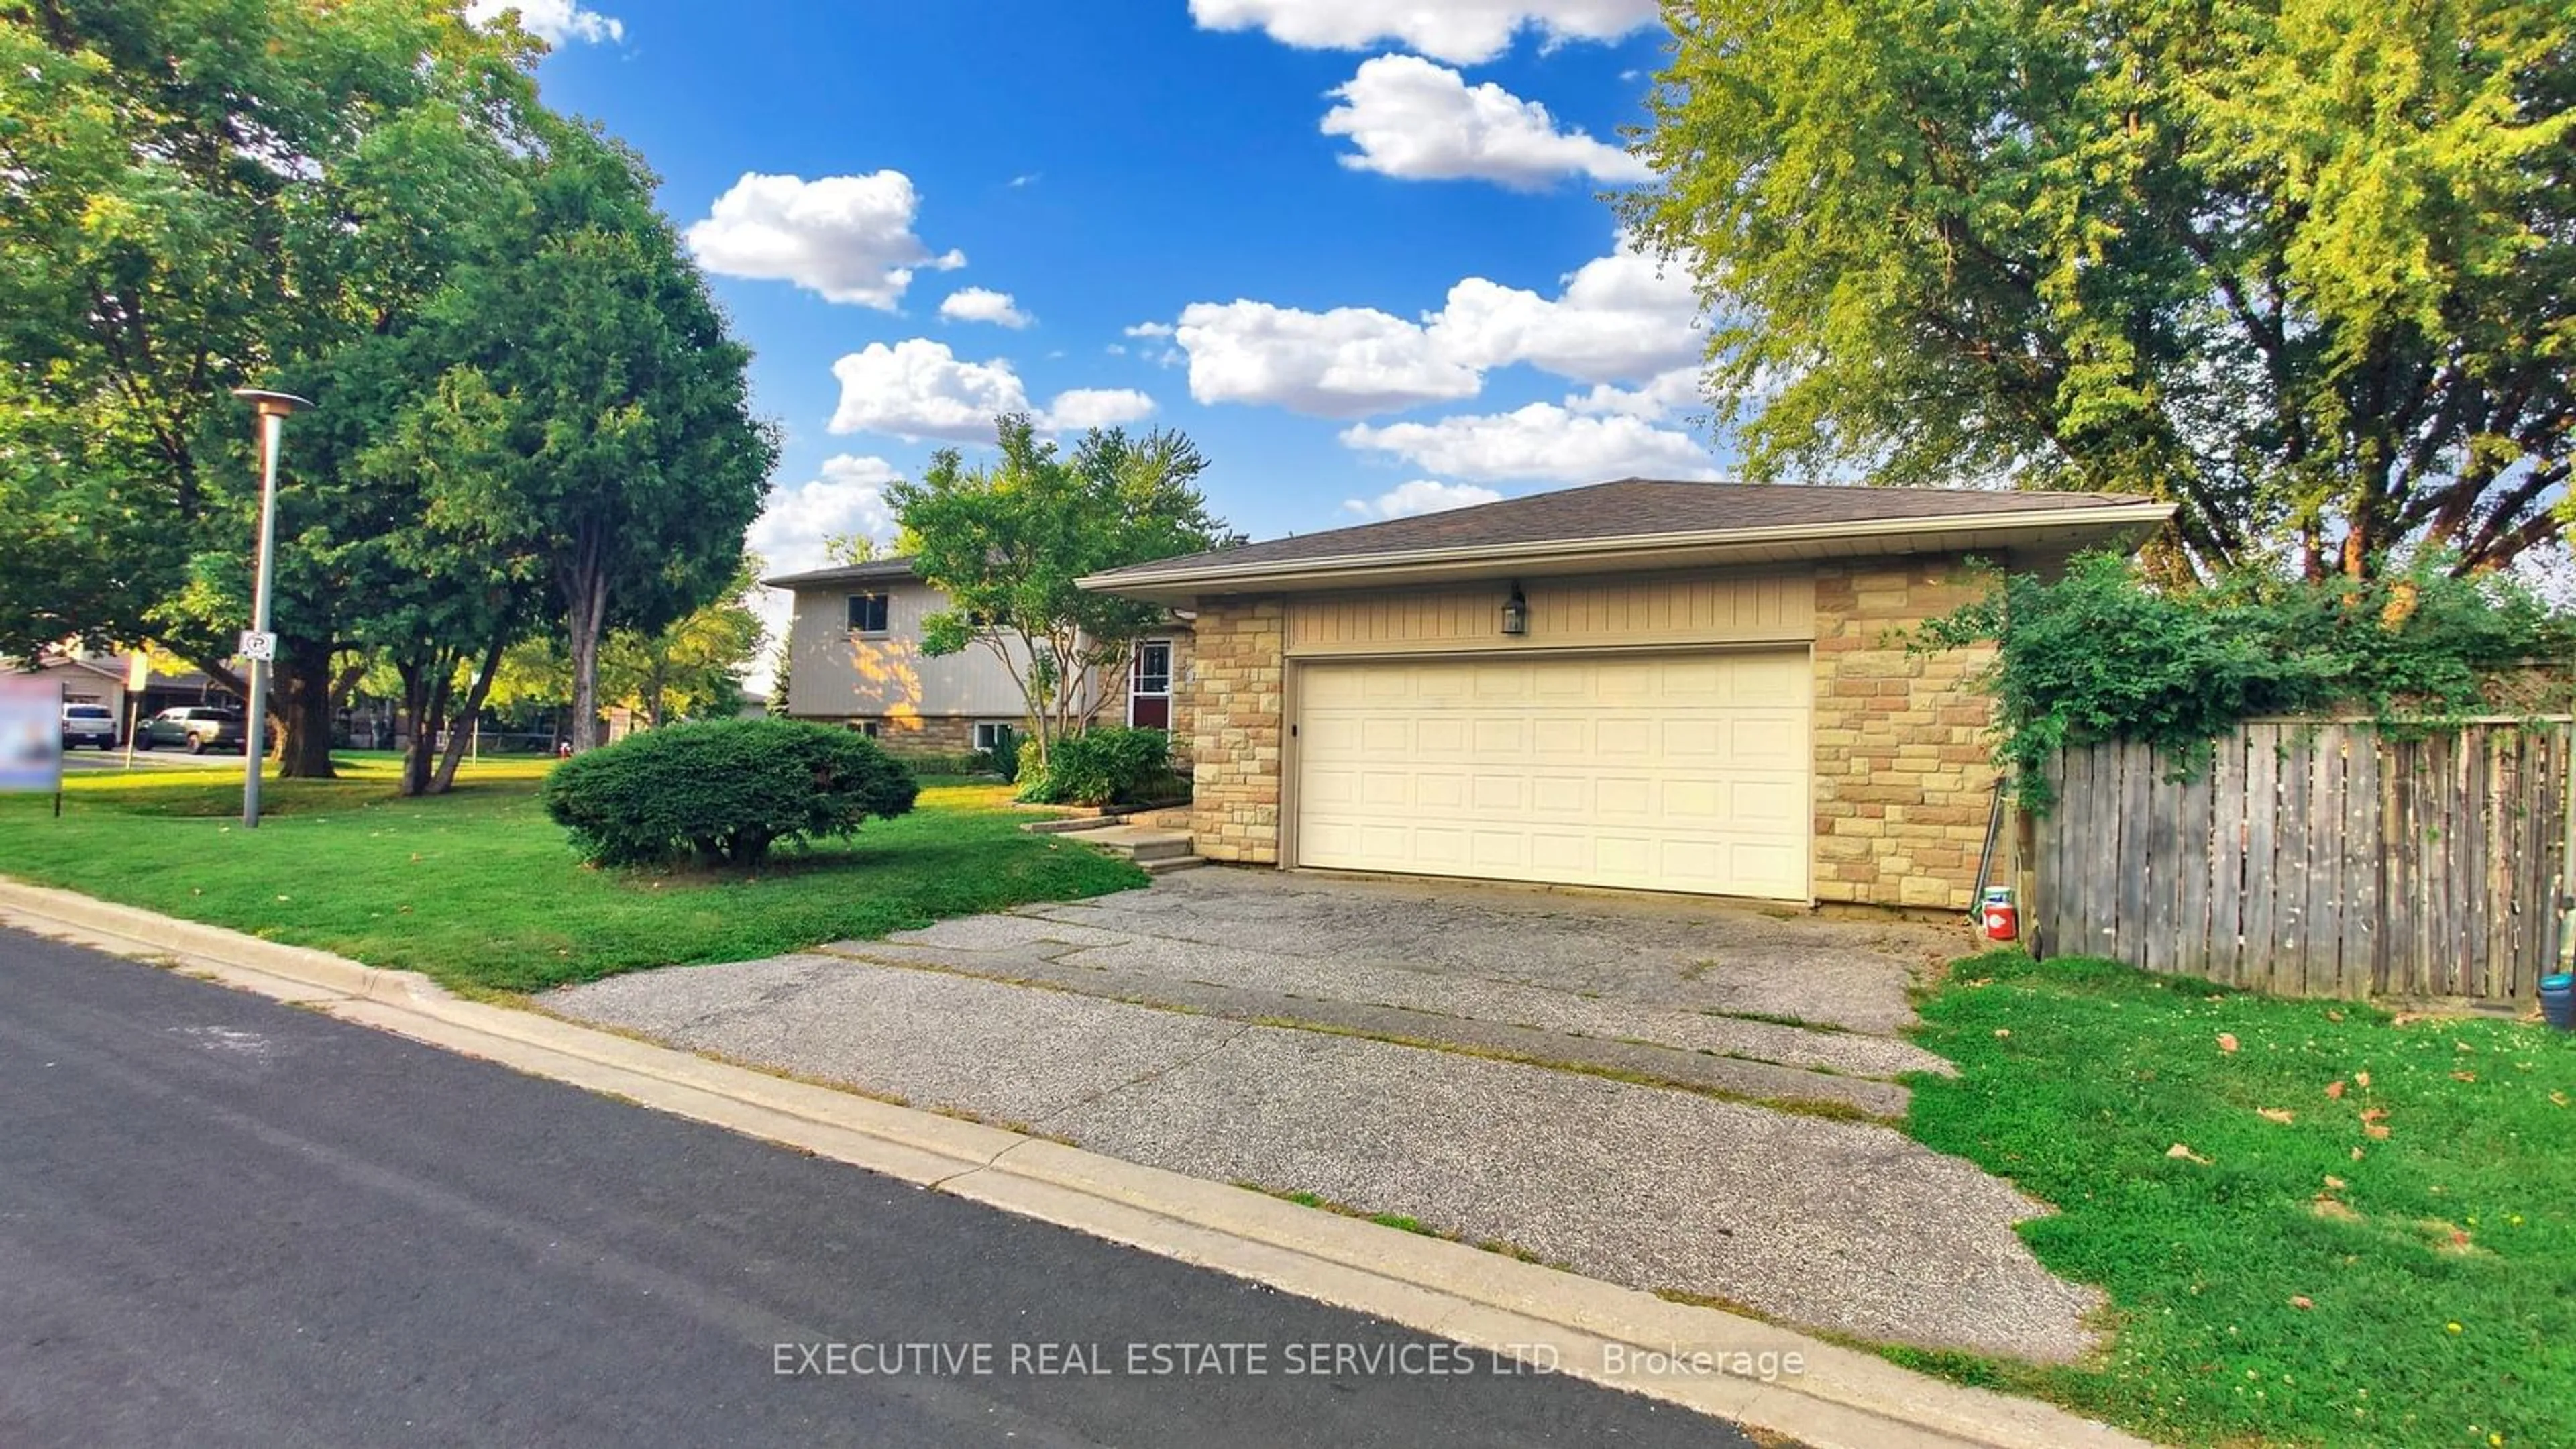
2315,859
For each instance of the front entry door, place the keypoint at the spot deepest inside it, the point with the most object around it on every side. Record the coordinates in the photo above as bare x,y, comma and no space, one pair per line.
1149,686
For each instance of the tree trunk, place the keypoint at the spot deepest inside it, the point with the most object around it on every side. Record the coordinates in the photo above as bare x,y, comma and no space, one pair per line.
585,611
300,701
425,690
473,709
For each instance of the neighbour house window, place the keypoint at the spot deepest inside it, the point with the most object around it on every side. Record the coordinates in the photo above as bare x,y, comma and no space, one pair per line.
867,613
988,733
866,727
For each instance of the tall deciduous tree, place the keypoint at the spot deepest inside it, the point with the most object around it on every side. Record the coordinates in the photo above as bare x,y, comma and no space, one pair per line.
194,197
606,403
1006,541
2306,267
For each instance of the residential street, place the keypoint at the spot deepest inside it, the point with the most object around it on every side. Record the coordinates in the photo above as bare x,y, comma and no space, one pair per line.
227,1221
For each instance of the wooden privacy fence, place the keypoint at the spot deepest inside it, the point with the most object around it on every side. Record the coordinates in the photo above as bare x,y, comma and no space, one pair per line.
2314,859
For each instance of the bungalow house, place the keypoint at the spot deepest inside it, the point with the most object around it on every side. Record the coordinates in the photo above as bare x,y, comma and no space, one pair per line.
1664,686
854,657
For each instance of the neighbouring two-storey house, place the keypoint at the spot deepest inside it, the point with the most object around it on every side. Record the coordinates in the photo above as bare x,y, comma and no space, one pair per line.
854,657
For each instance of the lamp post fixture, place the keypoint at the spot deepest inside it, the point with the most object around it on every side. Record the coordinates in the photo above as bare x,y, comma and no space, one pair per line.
256,642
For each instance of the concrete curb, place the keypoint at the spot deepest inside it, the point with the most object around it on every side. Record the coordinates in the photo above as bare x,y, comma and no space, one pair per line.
1598,1331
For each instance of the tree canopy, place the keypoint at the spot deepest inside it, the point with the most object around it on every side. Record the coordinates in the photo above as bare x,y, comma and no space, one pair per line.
1007,540
2304,267
198,197
526,392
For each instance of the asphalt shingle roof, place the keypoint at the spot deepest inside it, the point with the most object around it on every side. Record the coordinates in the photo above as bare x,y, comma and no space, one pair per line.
1636,508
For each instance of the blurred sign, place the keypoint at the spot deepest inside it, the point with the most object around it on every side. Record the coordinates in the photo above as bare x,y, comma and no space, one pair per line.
31,733
257,646
138,671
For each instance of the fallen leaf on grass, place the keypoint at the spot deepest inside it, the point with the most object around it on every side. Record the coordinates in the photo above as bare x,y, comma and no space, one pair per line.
2356,1154
2001,1032
2227,1041
2375,1132
2326,1207
2302,1301
2274,1114
2185,1153
2560,1098
2334,1183
2374,1114
2335,1090
2334,1016
2361,1080
2464,1076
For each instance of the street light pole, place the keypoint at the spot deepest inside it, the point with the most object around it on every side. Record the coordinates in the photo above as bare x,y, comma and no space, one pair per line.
273,409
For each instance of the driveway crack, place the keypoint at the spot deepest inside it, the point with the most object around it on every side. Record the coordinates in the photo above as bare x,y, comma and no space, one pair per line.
1141,1078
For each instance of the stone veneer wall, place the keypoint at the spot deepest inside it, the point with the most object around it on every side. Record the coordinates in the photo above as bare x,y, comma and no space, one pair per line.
1229,699
1904,773
924,734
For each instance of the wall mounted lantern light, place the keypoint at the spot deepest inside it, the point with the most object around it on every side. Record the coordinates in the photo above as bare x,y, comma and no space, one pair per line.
1516,613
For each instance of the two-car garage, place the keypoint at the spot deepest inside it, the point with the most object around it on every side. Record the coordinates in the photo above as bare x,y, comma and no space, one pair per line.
1646,684
1664,771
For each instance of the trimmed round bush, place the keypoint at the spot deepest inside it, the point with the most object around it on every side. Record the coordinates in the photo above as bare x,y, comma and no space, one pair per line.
723,789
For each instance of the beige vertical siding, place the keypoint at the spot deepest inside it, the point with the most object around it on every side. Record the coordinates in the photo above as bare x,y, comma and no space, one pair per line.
1564,613
835,674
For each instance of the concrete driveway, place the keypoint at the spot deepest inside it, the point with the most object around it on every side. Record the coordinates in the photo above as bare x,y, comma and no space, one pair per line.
1725,999
1659,1093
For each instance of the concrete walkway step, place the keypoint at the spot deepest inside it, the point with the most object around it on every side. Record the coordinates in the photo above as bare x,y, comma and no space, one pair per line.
1141,845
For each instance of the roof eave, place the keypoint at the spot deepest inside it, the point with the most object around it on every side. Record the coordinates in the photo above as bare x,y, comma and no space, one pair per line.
2065,529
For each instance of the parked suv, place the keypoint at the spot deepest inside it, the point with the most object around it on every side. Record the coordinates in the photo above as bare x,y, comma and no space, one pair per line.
194,727
88,724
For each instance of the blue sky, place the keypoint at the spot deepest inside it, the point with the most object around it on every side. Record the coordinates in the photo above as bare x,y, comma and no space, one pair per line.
1345,254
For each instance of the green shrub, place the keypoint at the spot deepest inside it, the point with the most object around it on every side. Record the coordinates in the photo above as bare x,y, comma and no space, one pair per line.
1107,764
2101,654
941,762
724,789
1030,771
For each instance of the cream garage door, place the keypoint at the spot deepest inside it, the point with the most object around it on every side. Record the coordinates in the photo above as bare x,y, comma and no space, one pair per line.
1671,773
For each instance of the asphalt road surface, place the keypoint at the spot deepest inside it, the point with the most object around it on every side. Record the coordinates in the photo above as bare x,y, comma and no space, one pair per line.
228,1221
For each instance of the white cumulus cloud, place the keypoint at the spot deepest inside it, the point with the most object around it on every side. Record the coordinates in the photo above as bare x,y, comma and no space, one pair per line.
552,21
1459,31
847,497
848,238
1345,363
1656,399
1423,122
1617,318
1540,442
982,304
1422,495
918,389
1095,407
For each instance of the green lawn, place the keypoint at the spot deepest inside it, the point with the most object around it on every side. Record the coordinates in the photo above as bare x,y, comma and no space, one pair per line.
479,889
2312,1281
